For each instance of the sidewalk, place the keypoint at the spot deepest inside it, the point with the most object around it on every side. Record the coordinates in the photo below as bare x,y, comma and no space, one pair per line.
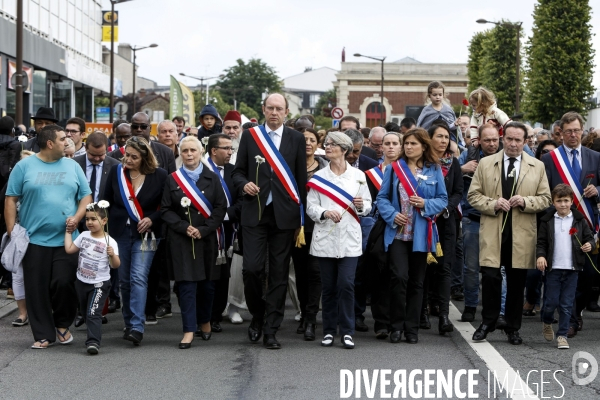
7,306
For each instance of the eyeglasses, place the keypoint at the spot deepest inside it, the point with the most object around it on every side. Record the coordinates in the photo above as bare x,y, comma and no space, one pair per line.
123,136
570,132
226,148
71,131
139,126
330,144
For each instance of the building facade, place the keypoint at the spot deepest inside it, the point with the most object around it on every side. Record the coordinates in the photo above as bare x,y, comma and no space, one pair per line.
62,57
358,88
304,90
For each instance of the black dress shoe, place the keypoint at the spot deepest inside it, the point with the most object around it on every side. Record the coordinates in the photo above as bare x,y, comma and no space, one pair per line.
514,338
482,332
135,337
204,335
593,307
126,333
104,320
412,339
270,342
572,332
444,325
360,326
216,327
424,322
468,314
301,327
396,336
500,323
382,334
113,305
184,346
309,332
255,331
78,320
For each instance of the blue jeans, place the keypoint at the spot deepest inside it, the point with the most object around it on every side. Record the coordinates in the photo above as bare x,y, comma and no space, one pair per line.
559,292
195,301
503,302
471,253
133,276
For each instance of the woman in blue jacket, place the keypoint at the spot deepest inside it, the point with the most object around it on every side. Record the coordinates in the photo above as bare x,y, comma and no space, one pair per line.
412,194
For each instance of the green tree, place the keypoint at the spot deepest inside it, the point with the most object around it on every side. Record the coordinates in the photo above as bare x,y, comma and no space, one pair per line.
475,63
249,112
326,102
248,81
560,68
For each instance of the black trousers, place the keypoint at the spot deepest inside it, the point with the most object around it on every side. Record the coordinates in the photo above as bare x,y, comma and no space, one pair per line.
491,296
91,299
221,292
49,275
407,273
380,297
436,288
159,285
308,281
271,309
585,289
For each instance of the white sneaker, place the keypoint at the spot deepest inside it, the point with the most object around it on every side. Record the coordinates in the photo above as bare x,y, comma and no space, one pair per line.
298,316
562,342
236,318
347,342
327,341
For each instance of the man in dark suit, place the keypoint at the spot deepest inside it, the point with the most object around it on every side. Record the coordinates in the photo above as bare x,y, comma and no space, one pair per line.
280,221
350,122
586,165
96,167
220,149
140,126
355,158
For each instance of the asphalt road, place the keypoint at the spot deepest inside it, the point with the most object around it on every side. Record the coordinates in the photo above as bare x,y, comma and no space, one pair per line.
228,366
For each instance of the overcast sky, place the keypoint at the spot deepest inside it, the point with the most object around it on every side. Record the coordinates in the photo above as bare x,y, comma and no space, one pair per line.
202,38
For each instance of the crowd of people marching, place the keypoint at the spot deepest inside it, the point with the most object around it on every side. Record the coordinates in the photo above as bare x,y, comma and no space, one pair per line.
404,218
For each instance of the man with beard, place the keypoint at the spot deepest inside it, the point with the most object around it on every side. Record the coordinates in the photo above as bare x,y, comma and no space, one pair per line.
232,127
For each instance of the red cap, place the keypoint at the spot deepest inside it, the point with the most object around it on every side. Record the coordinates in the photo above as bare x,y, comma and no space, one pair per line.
233,116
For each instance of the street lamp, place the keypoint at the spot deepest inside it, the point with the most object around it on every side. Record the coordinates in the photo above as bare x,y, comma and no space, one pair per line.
134,49
249,87
517,26
112,55
382,59
19,73
202,79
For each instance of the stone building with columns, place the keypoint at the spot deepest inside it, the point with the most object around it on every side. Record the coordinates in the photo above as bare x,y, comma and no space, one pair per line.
358,88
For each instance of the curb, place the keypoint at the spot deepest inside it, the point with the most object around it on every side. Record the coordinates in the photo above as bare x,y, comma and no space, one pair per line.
8,309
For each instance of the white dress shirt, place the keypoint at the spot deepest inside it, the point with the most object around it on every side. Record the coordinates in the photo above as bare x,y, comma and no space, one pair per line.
517,165
570,155
563,245
276,137
89,168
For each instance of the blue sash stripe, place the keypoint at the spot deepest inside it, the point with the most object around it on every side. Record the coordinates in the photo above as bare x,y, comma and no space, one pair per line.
410,177
588,204
335,188
196,189
123,196
225,188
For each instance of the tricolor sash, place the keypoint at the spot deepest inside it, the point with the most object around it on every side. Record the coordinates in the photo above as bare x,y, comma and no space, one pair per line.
132,205
335,193
225,188
199,201
122,149
113,147
376,176
567,175
411,186
278,164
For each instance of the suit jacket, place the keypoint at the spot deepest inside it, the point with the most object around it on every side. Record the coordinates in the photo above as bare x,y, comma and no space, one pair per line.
163,154
292,149
366,163
369,152
106,167
590,164
234,211
181,264
149,197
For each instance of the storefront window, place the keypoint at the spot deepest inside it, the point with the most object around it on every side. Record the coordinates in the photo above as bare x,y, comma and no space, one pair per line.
84,105
61,100
40,90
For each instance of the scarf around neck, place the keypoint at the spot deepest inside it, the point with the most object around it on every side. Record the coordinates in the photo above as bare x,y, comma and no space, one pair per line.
195,174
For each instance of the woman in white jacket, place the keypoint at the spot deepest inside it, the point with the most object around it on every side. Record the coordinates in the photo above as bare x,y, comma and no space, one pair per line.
338,195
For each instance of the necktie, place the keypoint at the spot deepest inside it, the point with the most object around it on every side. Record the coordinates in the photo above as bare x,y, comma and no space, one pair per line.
270,197
511,167
575,165
93,183
221,171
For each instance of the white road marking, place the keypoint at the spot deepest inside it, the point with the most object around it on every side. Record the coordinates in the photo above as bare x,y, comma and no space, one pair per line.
493,360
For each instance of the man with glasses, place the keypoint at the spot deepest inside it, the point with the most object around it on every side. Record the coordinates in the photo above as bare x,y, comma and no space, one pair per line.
140,127
219,150
376,141
96,166
75,130
584,178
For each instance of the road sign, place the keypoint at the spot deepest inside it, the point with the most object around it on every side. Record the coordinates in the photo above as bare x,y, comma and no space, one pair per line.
121,109
335,123
337,113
